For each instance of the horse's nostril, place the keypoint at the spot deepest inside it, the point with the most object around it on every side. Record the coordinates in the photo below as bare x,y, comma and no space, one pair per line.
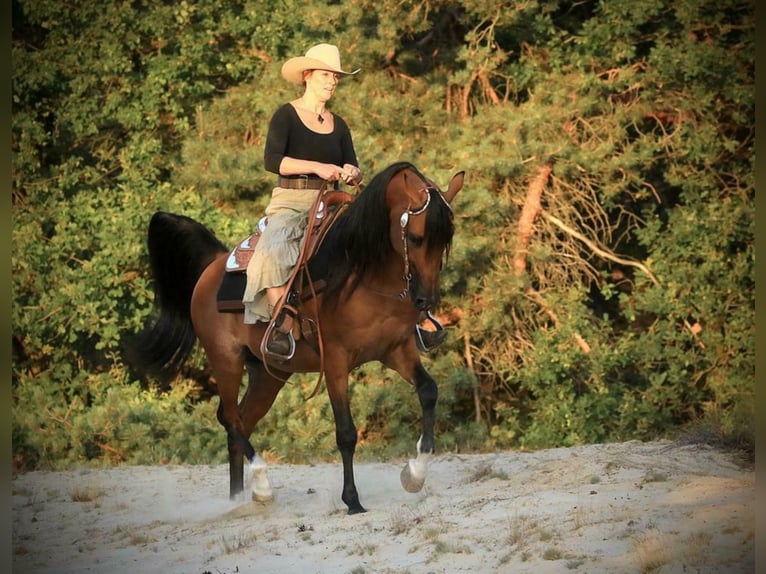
424,303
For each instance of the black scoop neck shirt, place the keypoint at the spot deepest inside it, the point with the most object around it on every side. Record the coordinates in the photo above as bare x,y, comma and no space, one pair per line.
289,136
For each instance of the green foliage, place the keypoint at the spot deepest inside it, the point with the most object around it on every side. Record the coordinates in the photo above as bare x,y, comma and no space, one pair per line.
634,313
101,419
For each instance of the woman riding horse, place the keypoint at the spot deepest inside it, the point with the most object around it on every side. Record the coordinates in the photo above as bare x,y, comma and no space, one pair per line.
383,258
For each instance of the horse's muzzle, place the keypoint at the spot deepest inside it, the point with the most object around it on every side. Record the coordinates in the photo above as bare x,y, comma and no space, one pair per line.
423,299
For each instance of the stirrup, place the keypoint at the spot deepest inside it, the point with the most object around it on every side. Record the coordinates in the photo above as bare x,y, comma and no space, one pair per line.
273,354
428,340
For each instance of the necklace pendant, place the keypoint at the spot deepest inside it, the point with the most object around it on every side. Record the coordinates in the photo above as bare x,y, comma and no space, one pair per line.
320,118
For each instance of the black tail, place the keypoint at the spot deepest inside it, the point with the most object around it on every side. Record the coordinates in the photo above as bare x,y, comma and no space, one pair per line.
179,251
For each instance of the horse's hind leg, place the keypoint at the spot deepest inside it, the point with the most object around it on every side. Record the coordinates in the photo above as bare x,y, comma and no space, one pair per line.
413,474
228,373
237,448
262,390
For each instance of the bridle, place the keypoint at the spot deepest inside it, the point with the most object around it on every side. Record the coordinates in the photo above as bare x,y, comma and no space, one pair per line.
404,221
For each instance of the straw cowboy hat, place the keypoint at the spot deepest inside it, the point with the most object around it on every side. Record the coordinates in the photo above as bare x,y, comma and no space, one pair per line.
319,57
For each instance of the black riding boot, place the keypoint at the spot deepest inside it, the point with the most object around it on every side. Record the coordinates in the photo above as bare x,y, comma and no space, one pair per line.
429,340
280,344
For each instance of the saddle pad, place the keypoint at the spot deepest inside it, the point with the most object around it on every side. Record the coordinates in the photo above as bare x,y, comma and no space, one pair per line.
231,292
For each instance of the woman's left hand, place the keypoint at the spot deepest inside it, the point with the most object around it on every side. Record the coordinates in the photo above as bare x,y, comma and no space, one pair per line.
351,174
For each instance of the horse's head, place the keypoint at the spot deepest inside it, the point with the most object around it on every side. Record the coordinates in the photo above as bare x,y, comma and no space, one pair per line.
421,229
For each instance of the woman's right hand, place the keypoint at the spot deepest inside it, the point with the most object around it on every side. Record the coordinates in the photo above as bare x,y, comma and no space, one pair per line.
348,173
328,171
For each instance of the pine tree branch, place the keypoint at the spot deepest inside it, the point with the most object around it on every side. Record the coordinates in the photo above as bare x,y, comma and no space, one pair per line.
597,250
537,298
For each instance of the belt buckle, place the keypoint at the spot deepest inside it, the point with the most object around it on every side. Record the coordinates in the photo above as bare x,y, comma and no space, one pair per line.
304,179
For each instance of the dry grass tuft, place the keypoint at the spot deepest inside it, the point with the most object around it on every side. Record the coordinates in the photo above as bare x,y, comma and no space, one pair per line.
86,494
399,521
364,549
481,472
237,543
652,551
552,553
521,530
655,476
403,518
696,548
582,516
133,536
485,472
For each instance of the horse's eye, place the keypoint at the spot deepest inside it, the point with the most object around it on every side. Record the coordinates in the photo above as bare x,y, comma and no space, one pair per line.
415,240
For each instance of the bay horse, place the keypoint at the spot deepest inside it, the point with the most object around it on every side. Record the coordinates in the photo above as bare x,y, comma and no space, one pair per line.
383,256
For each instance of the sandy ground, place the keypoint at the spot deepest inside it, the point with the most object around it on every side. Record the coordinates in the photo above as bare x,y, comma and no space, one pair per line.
617,508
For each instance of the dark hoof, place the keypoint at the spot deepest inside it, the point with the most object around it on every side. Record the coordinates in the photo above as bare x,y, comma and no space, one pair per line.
356,510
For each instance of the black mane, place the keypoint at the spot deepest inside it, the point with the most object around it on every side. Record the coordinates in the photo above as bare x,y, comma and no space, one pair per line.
359,240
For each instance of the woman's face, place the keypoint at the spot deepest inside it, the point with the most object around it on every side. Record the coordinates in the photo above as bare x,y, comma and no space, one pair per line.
322,83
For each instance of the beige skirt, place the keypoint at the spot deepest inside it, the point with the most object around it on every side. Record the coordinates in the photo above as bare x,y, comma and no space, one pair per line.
277,250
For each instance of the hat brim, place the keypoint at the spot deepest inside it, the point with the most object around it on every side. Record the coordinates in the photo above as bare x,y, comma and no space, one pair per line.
293,69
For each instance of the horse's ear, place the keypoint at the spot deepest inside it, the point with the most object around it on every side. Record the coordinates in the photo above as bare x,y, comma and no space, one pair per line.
455,185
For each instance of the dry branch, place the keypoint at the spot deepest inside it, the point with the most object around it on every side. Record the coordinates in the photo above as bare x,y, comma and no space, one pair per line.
474,383
467,97
115,454
532,206
489,91
598,250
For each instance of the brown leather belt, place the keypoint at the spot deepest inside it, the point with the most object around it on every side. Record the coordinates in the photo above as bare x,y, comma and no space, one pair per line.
304,182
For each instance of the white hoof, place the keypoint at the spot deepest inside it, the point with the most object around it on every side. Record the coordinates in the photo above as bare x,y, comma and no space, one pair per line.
261,489
410,481
262,497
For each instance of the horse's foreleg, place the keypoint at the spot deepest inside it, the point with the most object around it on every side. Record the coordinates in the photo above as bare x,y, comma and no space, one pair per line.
345,438
414,473
261,487
236,473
